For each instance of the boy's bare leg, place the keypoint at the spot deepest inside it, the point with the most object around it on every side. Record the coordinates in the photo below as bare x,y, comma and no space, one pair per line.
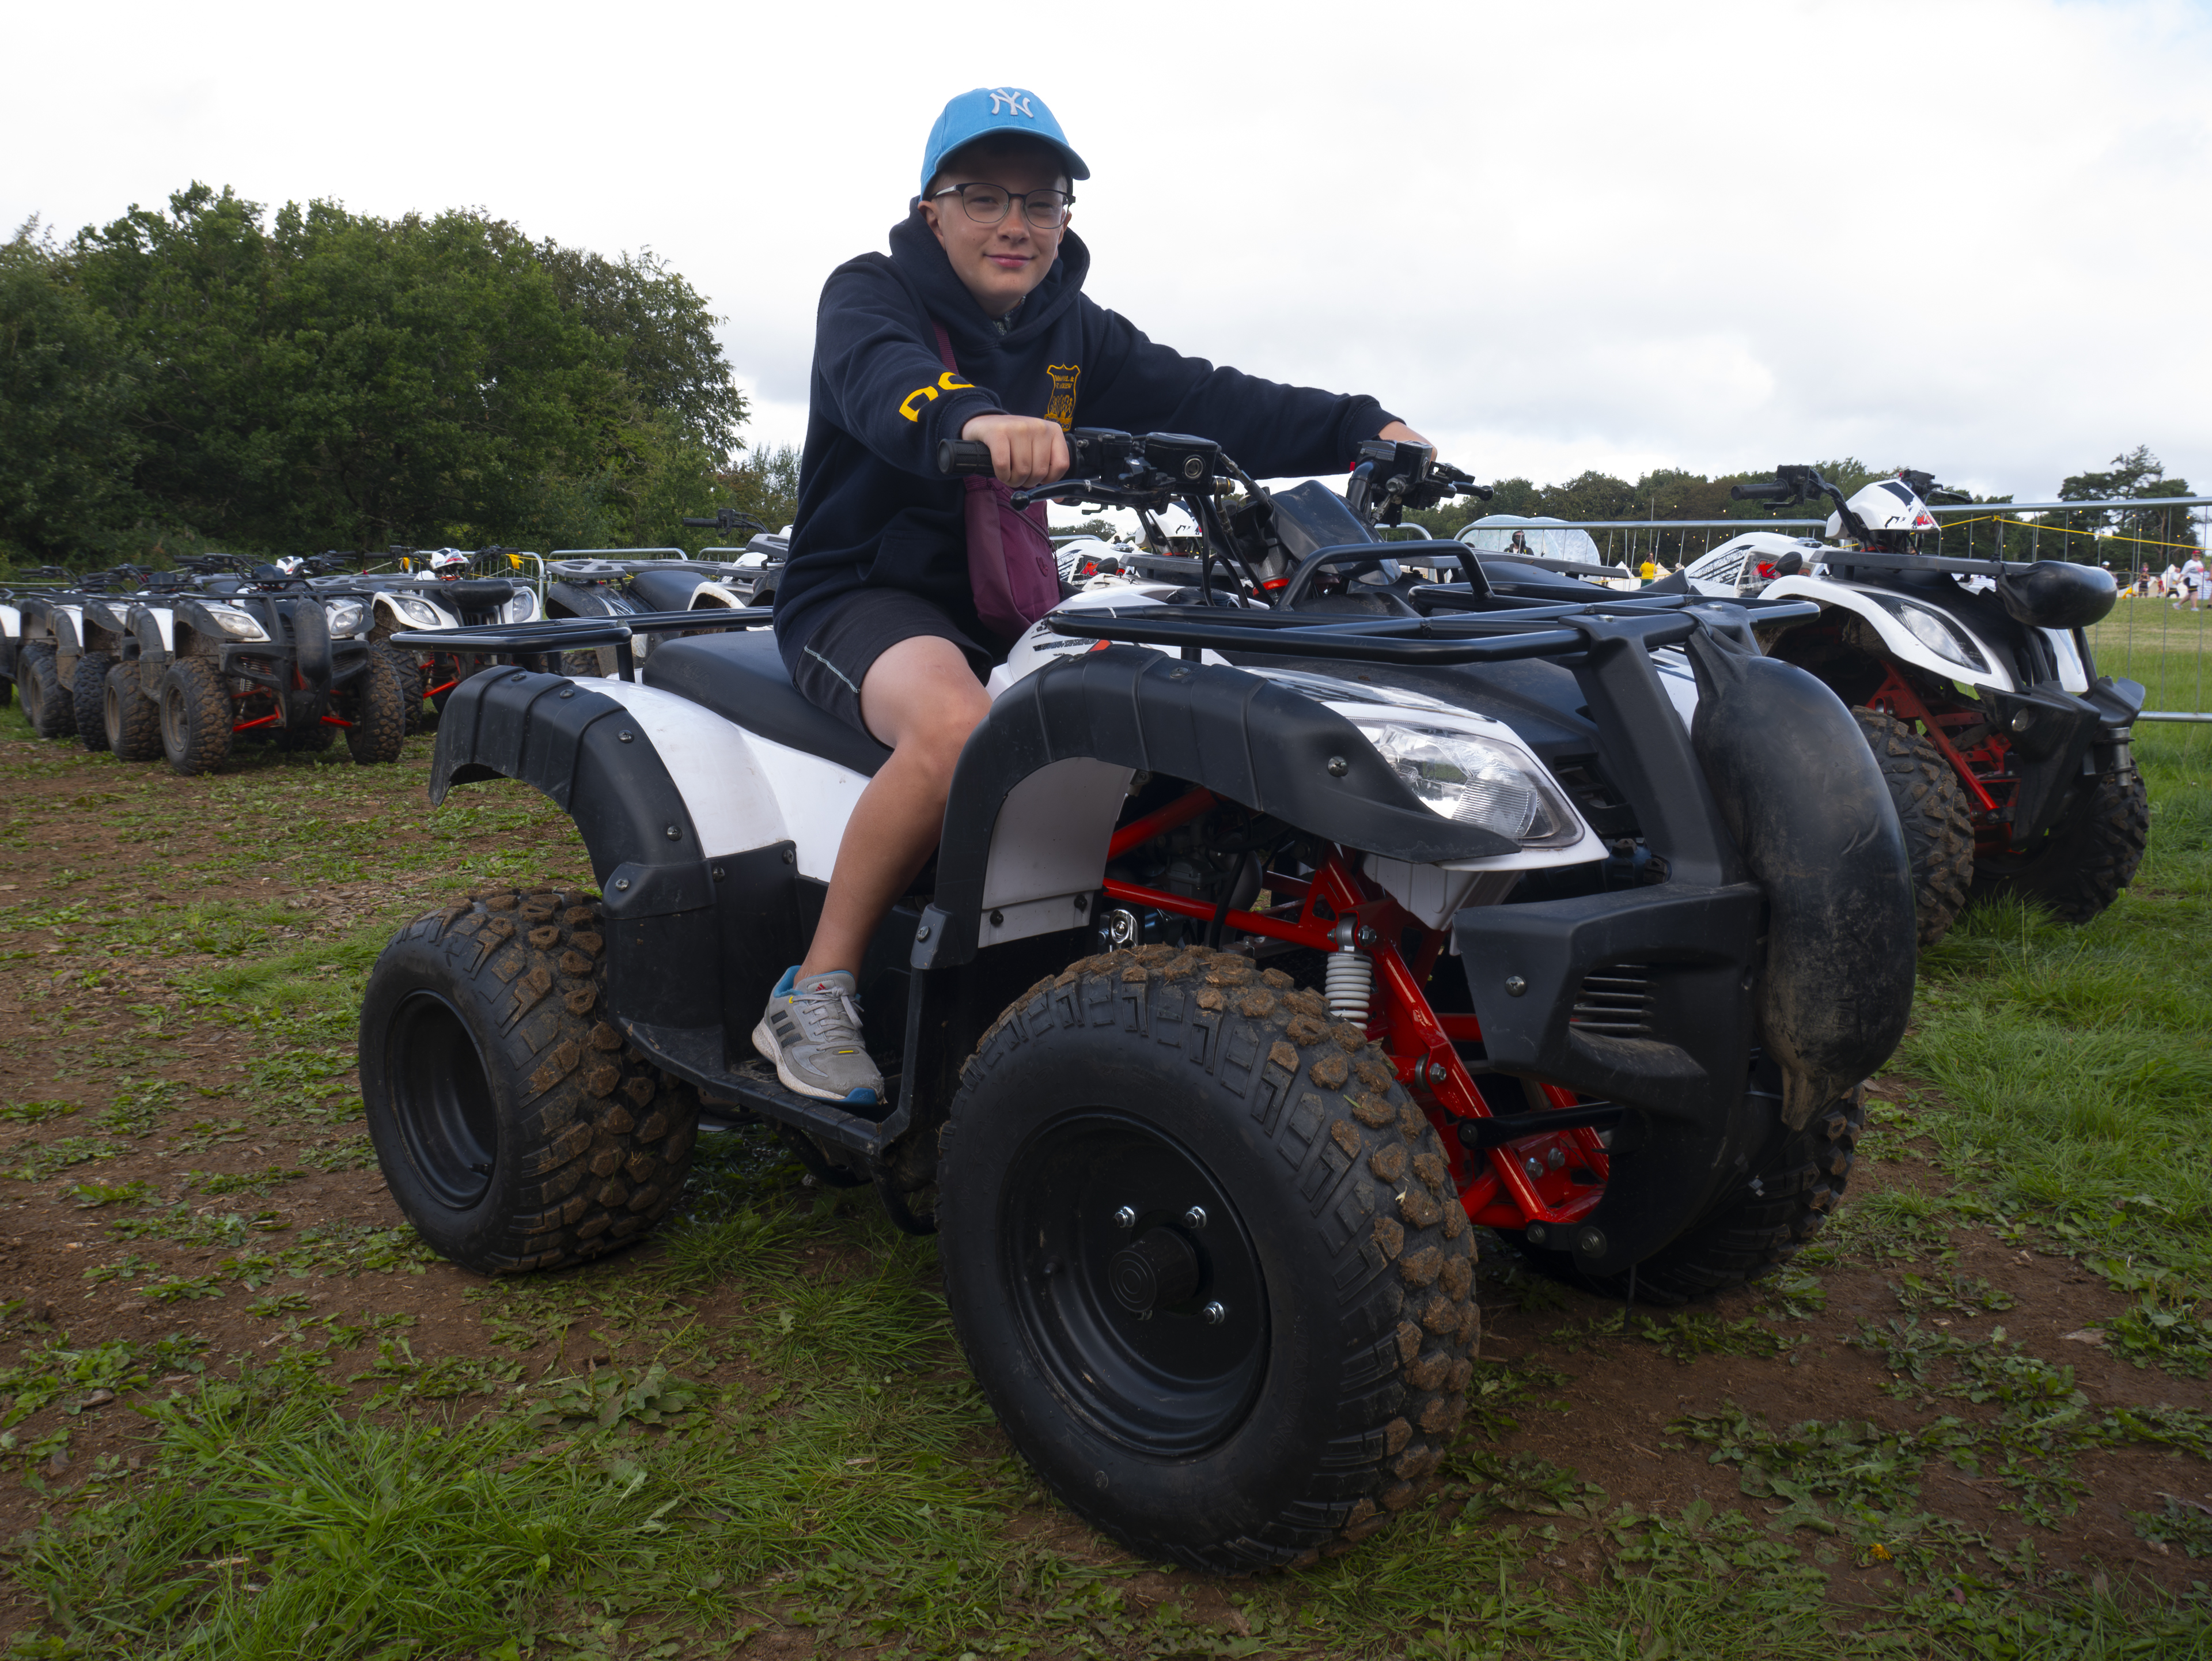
922,699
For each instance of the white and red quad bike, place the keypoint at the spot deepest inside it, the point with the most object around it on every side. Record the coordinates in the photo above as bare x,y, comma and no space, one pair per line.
1287,927
2007,754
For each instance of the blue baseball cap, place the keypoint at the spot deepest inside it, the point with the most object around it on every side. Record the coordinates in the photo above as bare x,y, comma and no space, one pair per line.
990,109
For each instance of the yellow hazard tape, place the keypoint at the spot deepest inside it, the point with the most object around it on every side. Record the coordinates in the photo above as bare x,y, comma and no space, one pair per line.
2063,530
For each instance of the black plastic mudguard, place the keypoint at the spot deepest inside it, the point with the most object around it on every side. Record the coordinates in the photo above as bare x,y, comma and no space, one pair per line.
580,750
1239,736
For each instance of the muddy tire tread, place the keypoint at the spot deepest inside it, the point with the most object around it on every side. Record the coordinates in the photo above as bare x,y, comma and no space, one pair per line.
376,705
1394,1269
1931,807
52,709
87,699
609,1136
202,689
137,736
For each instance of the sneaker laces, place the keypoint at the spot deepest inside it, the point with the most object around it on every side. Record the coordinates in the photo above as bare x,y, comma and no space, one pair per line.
816,1004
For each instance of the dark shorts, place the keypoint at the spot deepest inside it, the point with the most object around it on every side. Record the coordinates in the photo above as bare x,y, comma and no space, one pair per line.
830,668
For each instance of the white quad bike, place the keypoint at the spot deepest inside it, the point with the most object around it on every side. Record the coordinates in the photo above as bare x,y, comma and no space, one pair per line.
1277,938
2007,754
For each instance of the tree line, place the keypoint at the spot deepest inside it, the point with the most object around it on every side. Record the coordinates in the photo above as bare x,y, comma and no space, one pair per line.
213,375
216,375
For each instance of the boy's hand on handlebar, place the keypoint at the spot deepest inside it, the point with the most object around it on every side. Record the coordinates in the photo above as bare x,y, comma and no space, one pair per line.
1399,433
1025,450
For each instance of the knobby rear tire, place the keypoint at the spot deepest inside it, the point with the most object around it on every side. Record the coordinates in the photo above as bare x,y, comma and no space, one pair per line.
409,673
376,706
1342,1202
1931,807
131,721
1791,1191
516,1126
88,699
52,710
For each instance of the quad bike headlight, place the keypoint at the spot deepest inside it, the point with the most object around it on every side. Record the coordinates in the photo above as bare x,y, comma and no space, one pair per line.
522,607
239,625
1477,782
1935,632
346,616
420,612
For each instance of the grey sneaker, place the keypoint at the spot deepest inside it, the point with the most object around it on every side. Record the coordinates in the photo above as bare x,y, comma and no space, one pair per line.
812,1031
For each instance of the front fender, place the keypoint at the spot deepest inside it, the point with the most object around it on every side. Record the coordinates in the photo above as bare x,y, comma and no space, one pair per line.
1897,640
612,759
1129,708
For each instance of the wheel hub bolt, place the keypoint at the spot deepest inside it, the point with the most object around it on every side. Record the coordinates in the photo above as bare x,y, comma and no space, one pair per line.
1126,1217
1215,1312
1195,1218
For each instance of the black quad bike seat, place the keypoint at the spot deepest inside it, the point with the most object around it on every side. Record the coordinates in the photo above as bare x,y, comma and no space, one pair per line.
665,590
739,675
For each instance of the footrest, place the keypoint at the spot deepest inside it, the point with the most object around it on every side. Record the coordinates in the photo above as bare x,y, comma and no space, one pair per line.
695,1054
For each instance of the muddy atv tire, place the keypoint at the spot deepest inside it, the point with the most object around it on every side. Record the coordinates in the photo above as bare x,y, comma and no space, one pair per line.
516,1127
1792,1190
1931,807
196,718
2079,866
131,720
1206,1259
582,665
409,674
378,711
52,709
88,699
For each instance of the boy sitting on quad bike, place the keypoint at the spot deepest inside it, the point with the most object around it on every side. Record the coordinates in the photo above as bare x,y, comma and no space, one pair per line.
976,326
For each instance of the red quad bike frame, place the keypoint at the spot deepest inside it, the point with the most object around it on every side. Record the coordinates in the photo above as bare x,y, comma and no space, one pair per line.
242,703
1984,766
1554,1177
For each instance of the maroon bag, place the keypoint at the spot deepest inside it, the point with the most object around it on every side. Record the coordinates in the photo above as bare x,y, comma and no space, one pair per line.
1011,569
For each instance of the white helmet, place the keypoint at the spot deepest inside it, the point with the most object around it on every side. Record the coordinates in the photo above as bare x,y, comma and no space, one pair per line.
1888,504
447,563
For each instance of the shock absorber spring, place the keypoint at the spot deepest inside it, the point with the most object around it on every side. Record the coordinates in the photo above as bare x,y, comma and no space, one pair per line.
1350,981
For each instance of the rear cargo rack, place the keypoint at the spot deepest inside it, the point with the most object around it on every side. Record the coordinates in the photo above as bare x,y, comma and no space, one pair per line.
506,641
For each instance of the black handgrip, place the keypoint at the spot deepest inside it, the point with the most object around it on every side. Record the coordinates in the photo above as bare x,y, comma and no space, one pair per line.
1770,492
964,458
704,524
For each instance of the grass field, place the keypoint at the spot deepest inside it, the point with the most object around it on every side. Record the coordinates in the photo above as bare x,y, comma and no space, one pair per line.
2170,652
246,1414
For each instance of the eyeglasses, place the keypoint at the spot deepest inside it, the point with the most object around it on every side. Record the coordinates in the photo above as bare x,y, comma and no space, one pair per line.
987,205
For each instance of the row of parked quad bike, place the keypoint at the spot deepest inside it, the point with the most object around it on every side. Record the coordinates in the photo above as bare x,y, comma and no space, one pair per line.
188,664
1299,909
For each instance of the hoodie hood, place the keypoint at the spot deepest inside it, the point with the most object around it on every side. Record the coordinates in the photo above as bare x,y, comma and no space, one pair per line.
918,259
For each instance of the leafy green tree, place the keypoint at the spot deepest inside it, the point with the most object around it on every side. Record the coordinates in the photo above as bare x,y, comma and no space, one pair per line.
2140,536
69,391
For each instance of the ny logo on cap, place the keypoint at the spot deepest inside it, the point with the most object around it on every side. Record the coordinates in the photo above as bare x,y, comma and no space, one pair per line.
1016,103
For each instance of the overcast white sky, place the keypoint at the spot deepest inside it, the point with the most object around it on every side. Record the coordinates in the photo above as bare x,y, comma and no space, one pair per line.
1972,237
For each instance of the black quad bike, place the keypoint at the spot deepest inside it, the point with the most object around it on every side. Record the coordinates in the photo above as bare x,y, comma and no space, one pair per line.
625,588
1277,940
2009,756
269,654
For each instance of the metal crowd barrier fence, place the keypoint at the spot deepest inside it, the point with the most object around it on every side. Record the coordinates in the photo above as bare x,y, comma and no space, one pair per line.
2157,634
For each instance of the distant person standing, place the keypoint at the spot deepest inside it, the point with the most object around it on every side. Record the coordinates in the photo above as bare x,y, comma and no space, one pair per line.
2197,582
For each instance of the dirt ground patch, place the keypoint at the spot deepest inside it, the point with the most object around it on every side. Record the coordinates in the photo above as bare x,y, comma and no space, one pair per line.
187,1193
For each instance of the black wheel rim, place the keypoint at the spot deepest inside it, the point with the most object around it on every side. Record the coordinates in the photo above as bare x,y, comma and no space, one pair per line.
176,719
1182,1381
441,1097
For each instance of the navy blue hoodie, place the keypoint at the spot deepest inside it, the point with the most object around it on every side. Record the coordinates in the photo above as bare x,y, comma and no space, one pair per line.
874,511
